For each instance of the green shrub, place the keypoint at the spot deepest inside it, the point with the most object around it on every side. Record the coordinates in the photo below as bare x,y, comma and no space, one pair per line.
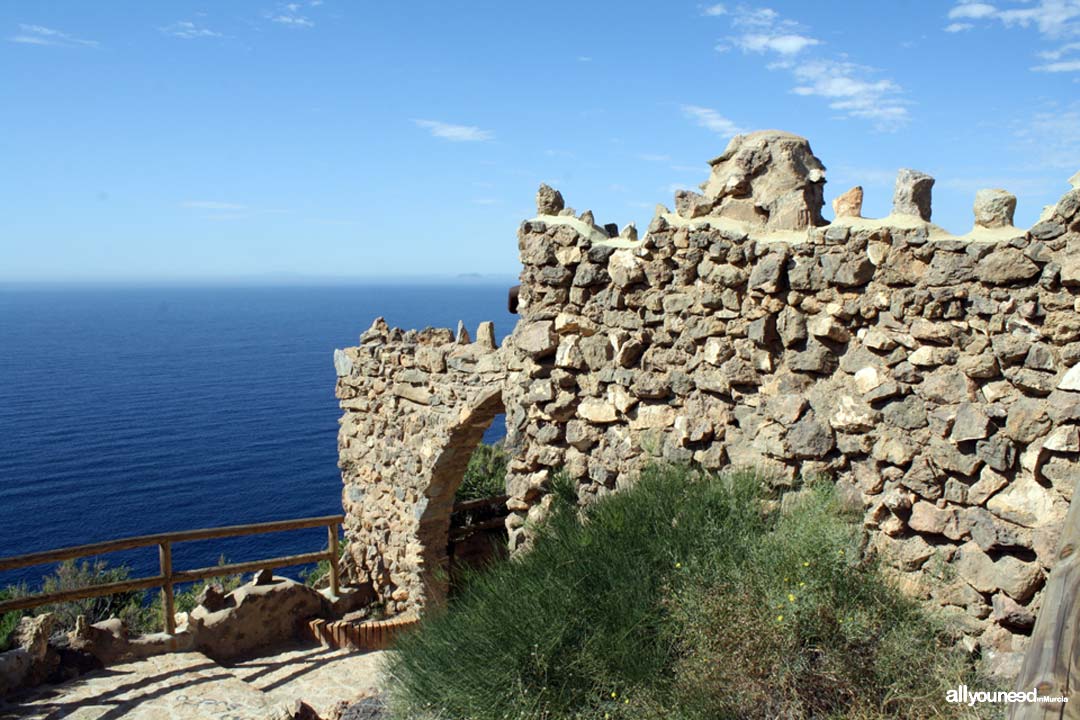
318,576
9,620
485,475
72,575
142,611
680,598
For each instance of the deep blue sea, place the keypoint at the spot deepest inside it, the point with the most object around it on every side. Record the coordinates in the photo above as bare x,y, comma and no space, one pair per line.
129,411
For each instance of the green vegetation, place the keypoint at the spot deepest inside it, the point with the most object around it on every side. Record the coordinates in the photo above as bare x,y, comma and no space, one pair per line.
318,576
485,475
682,598
9,620
142,611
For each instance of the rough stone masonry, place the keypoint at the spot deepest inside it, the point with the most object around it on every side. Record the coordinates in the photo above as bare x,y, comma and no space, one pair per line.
935,377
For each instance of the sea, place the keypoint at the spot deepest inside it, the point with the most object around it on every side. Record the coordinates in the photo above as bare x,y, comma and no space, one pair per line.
127,411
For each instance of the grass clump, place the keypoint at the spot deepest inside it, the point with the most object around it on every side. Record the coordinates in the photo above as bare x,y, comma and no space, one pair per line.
681,598
485,475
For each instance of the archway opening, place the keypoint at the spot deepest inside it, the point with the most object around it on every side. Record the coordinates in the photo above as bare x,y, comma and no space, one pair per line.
462,532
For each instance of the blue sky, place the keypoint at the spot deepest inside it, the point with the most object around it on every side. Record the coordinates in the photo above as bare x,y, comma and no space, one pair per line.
179,140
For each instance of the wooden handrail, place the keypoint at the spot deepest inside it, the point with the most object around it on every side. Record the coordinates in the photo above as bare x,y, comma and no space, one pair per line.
169,578
1052,663
80,551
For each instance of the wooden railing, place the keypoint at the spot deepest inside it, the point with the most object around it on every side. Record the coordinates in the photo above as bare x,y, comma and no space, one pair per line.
169,578
1052,662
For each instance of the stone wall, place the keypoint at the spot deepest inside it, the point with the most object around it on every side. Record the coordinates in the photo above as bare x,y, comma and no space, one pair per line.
935,377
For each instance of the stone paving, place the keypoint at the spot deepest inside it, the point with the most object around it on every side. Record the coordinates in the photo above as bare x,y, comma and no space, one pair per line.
319,676
191,686
179,686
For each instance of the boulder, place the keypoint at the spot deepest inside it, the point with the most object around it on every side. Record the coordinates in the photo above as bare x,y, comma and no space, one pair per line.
849,204
549,201
912,194
255,617
994,208
1005,266
771,179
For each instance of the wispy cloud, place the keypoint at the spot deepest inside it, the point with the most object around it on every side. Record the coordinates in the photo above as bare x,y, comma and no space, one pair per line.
763,30
714,10
654,157
711,120
845,85
1055,67
1053,19
41,35
454,133
291,15
851,89
1051,137
187,30
785,44
212,205
973,11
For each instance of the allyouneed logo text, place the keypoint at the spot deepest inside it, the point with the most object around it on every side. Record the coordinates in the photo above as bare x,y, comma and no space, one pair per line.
965,696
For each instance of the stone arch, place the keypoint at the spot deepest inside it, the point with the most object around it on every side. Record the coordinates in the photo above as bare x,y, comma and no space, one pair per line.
433,529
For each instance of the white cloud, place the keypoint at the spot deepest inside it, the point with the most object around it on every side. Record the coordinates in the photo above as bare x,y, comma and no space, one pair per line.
757,18
766,31
455,133
850,88
973,10
1060,52
1052,138
292,20
843,84
711,120
41,35
714,10
787,44
1056,67
1052,18
654,157
211,205
187,30
291,15
958,27
584,58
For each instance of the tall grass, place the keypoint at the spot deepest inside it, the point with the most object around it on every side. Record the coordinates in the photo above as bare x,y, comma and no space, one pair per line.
680,598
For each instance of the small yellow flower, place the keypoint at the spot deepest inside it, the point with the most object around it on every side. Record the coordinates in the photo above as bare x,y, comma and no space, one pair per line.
779,618
626,701
614,694
802,584
678,565
806,564
790,597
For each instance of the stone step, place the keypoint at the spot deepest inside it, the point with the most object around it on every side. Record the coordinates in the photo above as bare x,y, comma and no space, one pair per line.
176,686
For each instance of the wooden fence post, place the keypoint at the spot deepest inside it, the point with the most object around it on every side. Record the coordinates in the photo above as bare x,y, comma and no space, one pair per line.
168,601
334,579
1052,662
